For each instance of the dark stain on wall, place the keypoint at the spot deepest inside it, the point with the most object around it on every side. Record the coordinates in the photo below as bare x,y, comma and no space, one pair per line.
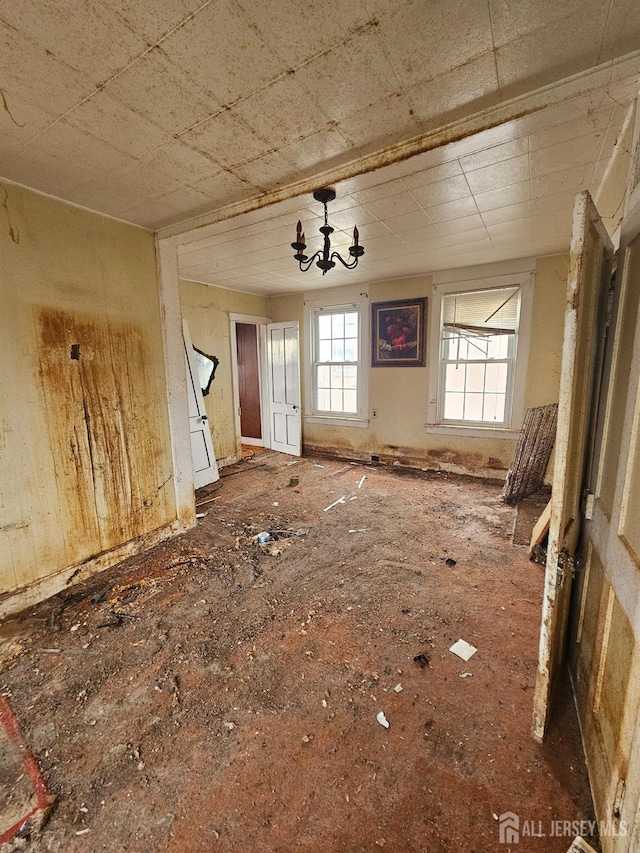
101,405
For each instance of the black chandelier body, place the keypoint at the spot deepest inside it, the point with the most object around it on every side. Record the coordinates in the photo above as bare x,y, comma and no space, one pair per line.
325,258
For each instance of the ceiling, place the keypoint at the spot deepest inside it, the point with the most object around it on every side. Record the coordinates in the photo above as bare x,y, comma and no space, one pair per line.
189,117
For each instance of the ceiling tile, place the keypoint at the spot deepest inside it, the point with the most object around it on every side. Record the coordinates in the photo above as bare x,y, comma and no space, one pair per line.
426,40
623,27
365,130
393,206
298,34
430,175
499,174
352,78
452,210
504,196
463,224
143,16
213,49
116,124
468,88
556,158
507,213
78,31
155,88
552,52
595,121
438,193
568,180
495,154
227,140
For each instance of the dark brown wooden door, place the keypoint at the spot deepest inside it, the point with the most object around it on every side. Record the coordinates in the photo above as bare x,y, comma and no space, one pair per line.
248,380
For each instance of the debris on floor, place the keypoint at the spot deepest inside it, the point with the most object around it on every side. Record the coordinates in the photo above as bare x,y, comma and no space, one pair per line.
380,717
463,649
178,730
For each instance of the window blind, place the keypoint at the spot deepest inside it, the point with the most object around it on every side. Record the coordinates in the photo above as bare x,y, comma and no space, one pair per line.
482,312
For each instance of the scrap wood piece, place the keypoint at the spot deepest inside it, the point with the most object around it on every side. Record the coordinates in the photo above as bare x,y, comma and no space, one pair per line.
533,451
540,529
31,801
579,845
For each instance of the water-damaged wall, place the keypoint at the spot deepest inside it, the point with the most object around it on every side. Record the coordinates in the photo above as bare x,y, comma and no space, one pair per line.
85,454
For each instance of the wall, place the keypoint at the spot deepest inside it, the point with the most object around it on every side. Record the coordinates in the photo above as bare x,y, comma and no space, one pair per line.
207,311
399,395
85,455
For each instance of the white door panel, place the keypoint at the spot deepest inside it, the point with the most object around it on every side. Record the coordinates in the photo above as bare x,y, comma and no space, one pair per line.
283,360
205,467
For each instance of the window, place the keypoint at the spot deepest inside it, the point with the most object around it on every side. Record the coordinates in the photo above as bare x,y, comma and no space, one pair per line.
479,334
336,361
478,346
336,391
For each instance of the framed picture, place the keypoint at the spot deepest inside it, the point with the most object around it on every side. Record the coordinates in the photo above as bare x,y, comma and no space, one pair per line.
398,332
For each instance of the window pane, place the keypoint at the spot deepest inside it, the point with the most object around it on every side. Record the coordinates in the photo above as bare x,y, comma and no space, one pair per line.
477,348
351,325
323,376
324,351
494,407
455,377
337,350
496,378
324,400
324,326
336,401
351,349
454,406
351,401
475,377
337,323
336,377
473,407
499,346
350,375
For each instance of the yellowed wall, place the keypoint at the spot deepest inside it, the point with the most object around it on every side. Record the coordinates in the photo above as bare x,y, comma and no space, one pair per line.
207,311
85,455
398,396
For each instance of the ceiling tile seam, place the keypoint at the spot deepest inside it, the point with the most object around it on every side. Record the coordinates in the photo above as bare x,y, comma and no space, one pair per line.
495,52
117,74
604,32
425,210
484,224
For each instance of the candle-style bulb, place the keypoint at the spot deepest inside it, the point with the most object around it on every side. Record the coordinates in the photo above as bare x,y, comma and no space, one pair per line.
356,235
302,237
298,230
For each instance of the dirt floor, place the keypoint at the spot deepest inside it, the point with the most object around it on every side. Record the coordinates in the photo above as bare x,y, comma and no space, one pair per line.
223,695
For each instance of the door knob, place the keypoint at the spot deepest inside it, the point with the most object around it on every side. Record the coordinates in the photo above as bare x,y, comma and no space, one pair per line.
204,418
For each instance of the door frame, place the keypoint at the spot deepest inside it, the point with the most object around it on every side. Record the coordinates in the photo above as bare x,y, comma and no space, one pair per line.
261,339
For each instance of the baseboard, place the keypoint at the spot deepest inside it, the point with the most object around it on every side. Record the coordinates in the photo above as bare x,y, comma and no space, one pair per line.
16,600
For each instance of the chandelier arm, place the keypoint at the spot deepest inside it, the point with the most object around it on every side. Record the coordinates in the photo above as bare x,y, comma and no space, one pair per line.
309,261
350,266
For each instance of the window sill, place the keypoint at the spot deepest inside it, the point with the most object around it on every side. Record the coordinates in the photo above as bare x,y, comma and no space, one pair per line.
472,431
332,420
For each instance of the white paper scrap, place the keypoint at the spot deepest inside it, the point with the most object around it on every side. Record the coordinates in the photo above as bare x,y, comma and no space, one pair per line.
362,481
382,719
463,649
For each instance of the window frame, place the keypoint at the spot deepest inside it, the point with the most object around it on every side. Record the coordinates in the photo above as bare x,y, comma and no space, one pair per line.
514,403
322,307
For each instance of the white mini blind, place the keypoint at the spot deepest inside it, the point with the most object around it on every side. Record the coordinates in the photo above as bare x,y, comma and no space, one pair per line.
482,312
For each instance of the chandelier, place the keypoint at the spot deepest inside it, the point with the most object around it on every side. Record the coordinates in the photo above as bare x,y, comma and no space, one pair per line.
325,258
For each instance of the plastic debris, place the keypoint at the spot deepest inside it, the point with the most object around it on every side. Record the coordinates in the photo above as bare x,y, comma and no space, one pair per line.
466,674
264,536
362,481
358,530
463,649
201,515
380,717
294,481
398,688
316,465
